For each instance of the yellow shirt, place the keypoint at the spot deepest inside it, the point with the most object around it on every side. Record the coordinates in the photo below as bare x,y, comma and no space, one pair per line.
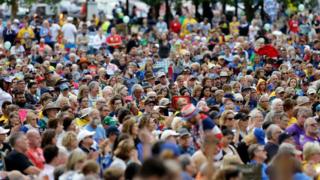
234,28
4,119
25,33
292,121
81,122
186,22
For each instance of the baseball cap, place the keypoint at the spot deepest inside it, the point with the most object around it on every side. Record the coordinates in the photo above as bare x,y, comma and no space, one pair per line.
63,87
112,130
259,135
4,131
318,107
160,74
279,90
311,91
83,134
109,121
241,116
170,147
302,100
167,133
183,132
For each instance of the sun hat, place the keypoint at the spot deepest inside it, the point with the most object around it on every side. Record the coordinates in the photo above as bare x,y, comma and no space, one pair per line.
83,134
167,133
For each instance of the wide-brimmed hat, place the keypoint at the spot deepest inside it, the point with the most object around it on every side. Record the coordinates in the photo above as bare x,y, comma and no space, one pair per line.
85,112
49,106
83,60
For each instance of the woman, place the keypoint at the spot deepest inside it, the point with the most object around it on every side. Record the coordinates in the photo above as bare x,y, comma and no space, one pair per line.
226,120
83,102
31,121
48,137
131,128
74,165
227,144
261,87
69,142
196,93
147,123
14,123
83,91
124,153
206,95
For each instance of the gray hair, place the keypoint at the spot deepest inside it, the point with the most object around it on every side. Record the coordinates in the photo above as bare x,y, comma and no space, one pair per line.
254,113
135,87
184,160
270,130
14,138
310,148
275,102
264,96
92,84
304,111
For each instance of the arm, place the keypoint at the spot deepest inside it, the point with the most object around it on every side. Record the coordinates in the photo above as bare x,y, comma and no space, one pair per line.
31,170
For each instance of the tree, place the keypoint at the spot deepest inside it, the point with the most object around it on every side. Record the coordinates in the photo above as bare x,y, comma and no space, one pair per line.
14,6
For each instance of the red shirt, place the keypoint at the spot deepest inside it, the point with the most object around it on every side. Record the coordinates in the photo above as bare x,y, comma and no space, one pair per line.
114,40
36,157
175,26
293,26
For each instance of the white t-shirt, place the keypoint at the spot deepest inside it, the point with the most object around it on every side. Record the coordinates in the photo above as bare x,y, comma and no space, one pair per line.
69,32
98,40
54,32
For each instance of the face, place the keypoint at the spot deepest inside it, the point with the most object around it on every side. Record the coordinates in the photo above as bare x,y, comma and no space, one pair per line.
301,119
278,107
257,120
185,141
264,103
23,143
229,105
261,153
135,129
85,103
124,91
312,127
117,104
229,121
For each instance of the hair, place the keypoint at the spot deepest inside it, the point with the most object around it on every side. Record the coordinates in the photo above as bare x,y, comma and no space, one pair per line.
113,173
274,102
122,113
304,111
92,84
76,156
132,171
113,99
309,149
288,104
144,121
30,115
90,167
224,116
254,113
67,121
53,123
153,167
270,130
227,173
128,126
50,152
47,137
68,138
14,138
5,104
195,89
185,160
124,148
252,149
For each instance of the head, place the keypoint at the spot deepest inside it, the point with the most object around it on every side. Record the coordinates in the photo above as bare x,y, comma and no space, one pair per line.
302,114
256,118
277,105
311,152
273,132
257,152
76,160
19,142
94,117
34,138
311,127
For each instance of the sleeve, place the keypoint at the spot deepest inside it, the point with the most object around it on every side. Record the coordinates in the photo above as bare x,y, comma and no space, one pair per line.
23,164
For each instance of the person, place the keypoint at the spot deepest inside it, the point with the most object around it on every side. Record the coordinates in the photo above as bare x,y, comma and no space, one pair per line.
74,165
258,155
50,154
85,141
19,142
95,126
271,147
69,31
35,152
311,132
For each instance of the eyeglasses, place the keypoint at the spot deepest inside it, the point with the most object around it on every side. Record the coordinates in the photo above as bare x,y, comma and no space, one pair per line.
239,102
314,125
230,118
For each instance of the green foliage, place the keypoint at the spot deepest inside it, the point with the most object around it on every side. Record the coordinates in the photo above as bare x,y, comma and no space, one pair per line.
153,2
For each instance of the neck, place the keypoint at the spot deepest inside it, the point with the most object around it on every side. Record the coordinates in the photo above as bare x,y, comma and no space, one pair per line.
258,160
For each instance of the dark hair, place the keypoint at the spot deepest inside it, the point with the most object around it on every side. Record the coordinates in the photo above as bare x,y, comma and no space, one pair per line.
53,123
90,167
153,167
226,132
5,104
67,121
30,84
156,148
132,171
122,113
14,137
47,137
50,152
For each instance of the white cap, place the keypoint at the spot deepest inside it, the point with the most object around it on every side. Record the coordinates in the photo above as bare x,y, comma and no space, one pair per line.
166,133
311,91
4,131
69,18
85,112
83,134
160,74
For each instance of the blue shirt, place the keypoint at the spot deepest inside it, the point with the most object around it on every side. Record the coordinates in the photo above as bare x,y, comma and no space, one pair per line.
264,167
100,132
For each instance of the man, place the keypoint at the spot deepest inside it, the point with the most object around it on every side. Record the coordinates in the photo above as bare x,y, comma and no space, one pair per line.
86,141
51,153
149,104
26,35
98,40
188,168
69,31
273,132
161,26
258,155
111,68
114,40
17,159
9,34
21,101
311,128
35,153
201,121
184,142
112,134
95,126
297,129
31,95
169,136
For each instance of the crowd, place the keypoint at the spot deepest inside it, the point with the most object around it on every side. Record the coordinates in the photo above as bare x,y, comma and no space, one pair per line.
190,99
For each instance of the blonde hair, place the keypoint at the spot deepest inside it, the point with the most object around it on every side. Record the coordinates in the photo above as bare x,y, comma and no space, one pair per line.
124,148
30,115
310,149
223,117
68,139
75,157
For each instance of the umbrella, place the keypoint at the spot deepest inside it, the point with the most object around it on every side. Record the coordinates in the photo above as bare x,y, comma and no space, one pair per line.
268,50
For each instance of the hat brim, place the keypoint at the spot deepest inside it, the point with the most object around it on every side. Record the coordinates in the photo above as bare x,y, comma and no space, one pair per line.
195,112
5,131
